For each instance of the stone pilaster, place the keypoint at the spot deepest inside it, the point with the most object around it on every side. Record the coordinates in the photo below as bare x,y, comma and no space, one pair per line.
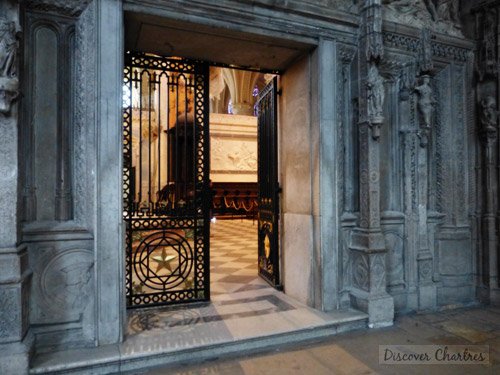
487,16
426,287
15,275
368,250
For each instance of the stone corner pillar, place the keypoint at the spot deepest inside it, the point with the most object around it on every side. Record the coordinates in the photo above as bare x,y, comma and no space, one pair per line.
16,341
367,245
486,17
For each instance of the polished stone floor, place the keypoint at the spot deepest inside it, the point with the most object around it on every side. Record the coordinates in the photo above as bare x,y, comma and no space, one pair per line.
242,305
357,352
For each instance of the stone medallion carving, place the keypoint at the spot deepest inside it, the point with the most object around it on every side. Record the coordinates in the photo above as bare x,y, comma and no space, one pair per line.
65,282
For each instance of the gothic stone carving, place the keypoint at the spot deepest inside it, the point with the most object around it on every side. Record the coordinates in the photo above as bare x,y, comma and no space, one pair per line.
374,46
9,83
425,108
425,62
487,55
375,95
448,11
438,15
488,118
360,272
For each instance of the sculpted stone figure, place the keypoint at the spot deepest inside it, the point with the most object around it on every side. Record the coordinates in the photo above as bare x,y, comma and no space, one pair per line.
425,101
407,6
8,65
488,117
448,10
375,94
8,49
403,5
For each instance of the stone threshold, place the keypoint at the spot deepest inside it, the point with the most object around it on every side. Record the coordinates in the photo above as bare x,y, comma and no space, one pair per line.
143,351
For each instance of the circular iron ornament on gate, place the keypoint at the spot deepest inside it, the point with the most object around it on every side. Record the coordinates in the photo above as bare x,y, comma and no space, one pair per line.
163,260
267,246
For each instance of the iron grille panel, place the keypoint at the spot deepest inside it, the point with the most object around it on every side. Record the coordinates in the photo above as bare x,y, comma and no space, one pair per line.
165,180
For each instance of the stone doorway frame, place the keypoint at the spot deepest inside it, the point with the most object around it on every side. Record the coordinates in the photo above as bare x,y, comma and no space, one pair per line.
320,68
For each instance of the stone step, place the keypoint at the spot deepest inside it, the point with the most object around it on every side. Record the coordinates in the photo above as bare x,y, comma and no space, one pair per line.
134,356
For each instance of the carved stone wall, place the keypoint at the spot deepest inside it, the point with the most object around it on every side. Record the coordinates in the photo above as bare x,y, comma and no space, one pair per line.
57,134
15,274
233,148
427,176
432,200
482,24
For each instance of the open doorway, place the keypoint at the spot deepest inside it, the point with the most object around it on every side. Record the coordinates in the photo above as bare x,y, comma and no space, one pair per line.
242,165
175,122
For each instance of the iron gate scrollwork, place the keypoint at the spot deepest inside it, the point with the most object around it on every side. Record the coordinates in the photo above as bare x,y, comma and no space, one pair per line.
165,180
268,202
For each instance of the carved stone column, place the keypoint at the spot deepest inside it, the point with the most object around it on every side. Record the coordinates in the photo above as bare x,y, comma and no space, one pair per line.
425,104
241,84
368,250
488,115
15,275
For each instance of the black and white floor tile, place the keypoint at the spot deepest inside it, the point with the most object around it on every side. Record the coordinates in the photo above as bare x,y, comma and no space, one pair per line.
233,257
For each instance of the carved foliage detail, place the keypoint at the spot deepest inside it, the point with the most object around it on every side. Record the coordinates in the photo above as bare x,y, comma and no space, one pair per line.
378,272
360,271
425,270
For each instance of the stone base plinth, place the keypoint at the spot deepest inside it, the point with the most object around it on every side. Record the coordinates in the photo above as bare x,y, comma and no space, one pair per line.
380,308
16,356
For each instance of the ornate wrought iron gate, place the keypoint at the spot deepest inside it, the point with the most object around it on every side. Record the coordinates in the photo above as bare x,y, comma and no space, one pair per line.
268,185
166,180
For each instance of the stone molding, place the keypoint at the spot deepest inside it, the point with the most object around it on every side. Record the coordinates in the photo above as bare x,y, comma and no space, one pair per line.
70,8
439,49
303,20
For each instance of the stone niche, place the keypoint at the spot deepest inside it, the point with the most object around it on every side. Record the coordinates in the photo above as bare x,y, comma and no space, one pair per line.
233,148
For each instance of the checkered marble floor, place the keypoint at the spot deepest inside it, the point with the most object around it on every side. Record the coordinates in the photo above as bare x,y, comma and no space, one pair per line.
233,257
